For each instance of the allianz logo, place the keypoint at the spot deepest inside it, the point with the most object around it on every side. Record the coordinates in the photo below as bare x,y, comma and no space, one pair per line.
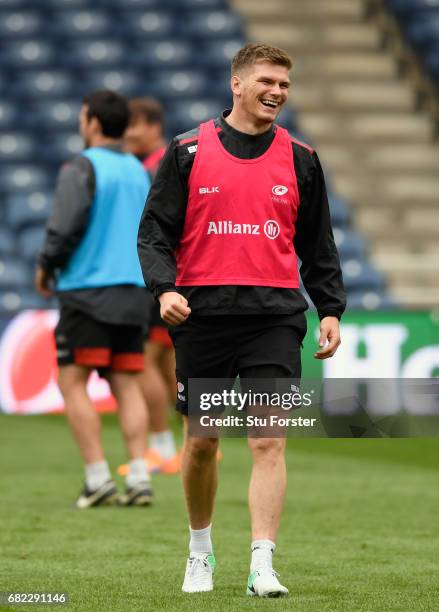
204,190
220,228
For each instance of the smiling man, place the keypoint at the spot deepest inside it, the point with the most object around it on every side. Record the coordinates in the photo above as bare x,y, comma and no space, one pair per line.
235,202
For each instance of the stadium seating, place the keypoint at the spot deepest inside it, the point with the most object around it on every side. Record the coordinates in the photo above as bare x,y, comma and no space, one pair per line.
30,241
369,300
28,209
349,243
28,53
9,115
358,274
53,52
212,24
61,147
23,178
17,24
16,146
184,116
419,20
14,273
97,52
149,24
166,53
130,82
178,84
7,242
44,84
339,211
81,24
53,115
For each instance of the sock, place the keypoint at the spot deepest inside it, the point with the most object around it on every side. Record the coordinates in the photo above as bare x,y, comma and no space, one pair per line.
200,540
163,443
262,554
138,473
96,474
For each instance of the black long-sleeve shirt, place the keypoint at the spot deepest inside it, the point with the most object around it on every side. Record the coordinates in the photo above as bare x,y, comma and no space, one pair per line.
163,220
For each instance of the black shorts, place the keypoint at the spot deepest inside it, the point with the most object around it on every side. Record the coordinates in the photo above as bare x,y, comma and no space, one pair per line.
225,346
82,340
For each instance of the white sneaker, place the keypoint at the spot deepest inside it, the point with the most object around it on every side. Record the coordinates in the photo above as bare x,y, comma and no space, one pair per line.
199,573
264,583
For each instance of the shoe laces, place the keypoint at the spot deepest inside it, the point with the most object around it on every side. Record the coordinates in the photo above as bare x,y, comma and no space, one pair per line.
197,563
269,570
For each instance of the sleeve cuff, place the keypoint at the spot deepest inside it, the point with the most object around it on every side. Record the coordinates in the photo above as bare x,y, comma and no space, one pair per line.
43,263
329,313
163,288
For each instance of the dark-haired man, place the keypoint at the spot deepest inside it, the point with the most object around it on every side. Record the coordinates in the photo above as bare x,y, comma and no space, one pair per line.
89,258
234,204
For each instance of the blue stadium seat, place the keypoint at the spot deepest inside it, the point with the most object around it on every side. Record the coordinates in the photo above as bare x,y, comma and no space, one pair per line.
55,115
7,242
431,61
408,8
212,24
129,5
100,52
27,54
12,5
286,119
23,178
30,241
340,215
149,24
370,300
177,5
28,209
81,24
14,300
17,24
126,81
163,54
16,146
40,84
67,4
423,32
196,5
350,244
183,117
14,273
178,83
62,147
9,115
218,53
361,275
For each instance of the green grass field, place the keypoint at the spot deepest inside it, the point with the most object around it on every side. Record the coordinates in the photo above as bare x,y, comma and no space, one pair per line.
360,529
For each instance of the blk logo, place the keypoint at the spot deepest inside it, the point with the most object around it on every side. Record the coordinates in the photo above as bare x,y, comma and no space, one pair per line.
271,229
279,190
204,190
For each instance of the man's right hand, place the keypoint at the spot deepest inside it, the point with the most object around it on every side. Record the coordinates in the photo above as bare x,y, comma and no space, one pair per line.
43,282
173,308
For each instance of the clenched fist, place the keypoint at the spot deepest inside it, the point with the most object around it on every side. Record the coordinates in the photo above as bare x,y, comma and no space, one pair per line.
174,308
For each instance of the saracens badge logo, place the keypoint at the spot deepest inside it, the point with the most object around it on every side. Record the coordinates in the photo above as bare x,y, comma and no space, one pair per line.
279,190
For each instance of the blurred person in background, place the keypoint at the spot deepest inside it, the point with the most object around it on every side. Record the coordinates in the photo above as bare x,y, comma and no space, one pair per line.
144,138
232,295
89,259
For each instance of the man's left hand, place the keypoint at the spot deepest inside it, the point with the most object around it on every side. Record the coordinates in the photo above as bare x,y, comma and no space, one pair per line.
329,333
